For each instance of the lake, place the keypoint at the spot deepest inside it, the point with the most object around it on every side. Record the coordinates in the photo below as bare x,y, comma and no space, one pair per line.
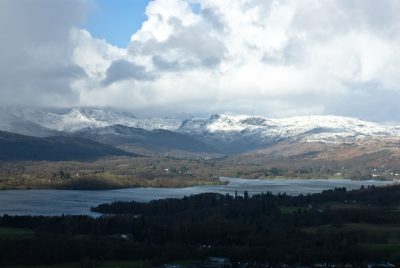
57,202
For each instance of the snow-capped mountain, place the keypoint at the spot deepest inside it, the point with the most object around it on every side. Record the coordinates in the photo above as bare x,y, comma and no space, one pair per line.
75,119
226,133
335,129
11,121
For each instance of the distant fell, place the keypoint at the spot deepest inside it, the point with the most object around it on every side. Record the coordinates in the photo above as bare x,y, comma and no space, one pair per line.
152,141
57,148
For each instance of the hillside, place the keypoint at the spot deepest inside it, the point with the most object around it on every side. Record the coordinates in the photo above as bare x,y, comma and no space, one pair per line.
20,147
148,142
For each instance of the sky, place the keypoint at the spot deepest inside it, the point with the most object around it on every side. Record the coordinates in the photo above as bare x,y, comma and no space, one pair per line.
115,21
198,57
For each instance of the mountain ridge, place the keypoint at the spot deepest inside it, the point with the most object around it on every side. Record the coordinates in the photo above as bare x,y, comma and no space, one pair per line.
227,134
75,119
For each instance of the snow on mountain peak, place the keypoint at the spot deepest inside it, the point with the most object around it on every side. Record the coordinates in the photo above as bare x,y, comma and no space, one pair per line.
79,118
218,127
306,128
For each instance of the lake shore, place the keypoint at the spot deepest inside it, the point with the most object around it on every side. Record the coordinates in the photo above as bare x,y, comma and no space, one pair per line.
78,202
120,172
100,183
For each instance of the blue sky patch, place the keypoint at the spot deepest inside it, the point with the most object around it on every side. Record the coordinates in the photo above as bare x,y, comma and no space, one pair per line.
116,20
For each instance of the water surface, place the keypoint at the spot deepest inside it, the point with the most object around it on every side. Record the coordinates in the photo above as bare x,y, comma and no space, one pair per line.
57,202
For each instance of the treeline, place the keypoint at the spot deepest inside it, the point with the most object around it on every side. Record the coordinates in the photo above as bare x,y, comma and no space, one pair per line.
371,195
336,226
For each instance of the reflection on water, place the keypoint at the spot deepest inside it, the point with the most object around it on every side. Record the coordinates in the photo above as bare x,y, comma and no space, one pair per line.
57,202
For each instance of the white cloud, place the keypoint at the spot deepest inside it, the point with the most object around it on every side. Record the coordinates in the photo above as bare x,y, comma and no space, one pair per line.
273,58
94,55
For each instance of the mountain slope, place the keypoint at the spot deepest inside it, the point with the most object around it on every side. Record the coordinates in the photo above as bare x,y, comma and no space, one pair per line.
235,134
19,147
11,122
139,140
71,120
221,133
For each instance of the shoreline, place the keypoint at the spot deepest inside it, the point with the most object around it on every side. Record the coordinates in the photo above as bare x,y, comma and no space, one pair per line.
223,180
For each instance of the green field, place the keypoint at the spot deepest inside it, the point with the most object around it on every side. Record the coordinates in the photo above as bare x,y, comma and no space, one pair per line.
383,231
379,229
15,233
107,264
391,249
291,210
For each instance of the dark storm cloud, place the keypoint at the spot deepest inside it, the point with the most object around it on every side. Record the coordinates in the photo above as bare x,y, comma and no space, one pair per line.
36,66
121,70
